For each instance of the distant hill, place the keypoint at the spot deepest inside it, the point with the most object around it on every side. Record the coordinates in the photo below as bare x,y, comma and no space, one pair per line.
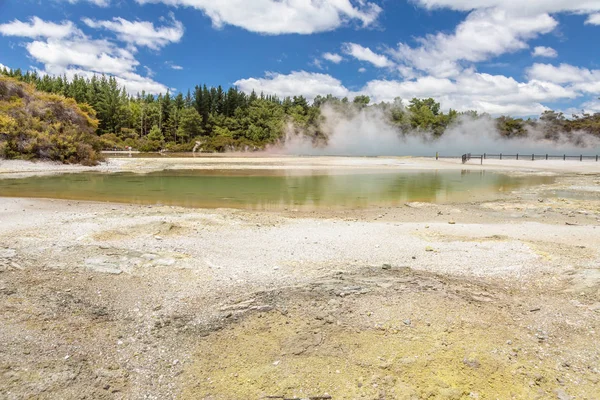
39,126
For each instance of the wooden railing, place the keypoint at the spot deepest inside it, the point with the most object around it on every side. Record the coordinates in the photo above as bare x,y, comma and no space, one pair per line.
532,157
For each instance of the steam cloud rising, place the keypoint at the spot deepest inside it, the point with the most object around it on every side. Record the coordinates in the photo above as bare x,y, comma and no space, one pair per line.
367,132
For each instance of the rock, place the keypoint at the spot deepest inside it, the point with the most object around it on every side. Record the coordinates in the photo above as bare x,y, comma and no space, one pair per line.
16,266
165,262
562,395
7,253
103,266
452,222
262,309
158,237
471,362
386,266
429,248
244,305
407,322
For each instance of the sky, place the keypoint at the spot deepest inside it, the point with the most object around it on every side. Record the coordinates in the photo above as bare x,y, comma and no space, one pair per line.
514,57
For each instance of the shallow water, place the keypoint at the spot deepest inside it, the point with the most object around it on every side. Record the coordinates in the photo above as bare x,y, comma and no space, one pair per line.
272,189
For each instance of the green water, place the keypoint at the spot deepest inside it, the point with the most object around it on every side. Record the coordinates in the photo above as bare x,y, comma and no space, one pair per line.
265,189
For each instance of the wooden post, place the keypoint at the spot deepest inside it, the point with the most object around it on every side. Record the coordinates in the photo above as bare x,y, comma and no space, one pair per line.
481,160
581,157
501,156
437,155
564,157
596,157
517,156
533,157
546,157
484,155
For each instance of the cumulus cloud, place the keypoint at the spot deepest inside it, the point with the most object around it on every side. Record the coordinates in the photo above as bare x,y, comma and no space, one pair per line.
133,82
276,17
299,82
494,94
141,33
95,55
484,34
100,3
64,49
366,54
593,19
577,78
333,57
542,51
38,28
2,67
88,57
529,6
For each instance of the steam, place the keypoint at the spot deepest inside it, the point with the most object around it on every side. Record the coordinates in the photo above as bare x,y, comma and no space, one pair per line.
367,132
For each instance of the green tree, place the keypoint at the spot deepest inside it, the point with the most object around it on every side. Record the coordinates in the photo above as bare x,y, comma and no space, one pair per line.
190,124
362,101
156,134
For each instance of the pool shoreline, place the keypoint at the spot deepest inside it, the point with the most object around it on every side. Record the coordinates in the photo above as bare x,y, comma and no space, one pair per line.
19,168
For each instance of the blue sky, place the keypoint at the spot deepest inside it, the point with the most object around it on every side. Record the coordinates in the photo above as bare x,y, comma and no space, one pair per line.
498,56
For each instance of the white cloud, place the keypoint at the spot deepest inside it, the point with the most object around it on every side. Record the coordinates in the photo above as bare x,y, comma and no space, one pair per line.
2,67
494,94
362,70
591,107
88,57
527,6
64,49
564,73
275,17
95,55
141,33
332,57
542,51
581,79
593,19
299,82
366,54
176,67
483,35
100,3
134,83
38,28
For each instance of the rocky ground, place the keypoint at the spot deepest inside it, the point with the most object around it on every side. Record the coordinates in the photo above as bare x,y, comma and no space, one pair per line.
487,299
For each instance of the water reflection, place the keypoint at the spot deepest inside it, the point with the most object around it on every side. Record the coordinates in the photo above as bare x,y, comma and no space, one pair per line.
268,189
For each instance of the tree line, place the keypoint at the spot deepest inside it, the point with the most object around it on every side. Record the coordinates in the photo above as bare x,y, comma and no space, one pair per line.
223,120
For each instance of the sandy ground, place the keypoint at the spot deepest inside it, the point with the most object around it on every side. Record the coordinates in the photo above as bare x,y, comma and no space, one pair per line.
16,168
486,299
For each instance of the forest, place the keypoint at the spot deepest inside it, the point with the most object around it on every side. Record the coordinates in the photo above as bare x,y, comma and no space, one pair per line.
231,120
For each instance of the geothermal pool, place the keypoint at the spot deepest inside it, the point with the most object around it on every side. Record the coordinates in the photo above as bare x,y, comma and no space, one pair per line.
271,189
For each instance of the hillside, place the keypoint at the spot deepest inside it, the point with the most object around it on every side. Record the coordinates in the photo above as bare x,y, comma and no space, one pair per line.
39,126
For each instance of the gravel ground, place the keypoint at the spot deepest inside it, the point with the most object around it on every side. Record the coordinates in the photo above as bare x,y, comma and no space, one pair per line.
490,299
